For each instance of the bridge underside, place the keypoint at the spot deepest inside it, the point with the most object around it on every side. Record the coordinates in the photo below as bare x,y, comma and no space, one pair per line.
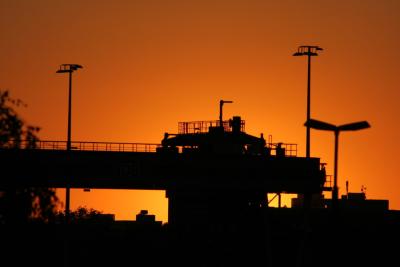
161,171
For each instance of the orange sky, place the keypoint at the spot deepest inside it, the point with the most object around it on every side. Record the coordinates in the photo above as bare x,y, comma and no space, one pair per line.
149,64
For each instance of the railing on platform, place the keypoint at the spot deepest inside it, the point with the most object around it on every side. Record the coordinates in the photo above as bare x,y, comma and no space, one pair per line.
328,183
289,150
192,127
84,146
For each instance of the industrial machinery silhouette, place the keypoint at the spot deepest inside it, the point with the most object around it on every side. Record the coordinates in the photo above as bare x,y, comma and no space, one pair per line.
206,168
216,178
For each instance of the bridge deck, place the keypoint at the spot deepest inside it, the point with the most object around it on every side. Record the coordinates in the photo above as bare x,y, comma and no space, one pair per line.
148,170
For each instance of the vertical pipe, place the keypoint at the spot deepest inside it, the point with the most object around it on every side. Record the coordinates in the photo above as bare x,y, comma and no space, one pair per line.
279,200
221,103
67,187
308,103
69,111
335,191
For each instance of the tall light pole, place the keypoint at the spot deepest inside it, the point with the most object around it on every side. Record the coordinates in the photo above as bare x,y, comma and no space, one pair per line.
68,68
309,51
319,125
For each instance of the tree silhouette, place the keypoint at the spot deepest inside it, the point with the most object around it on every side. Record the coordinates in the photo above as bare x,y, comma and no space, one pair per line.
21,204
81,214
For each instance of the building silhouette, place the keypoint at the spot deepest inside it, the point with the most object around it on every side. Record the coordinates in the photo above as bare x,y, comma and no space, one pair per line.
217,179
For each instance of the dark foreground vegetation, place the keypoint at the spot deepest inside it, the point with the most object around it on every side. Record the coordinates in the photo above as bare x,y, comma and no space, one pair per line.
273,237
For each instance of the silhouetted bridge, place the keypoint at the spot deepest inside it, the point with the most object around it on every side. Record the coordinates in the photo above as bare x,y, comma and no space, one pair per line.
140,166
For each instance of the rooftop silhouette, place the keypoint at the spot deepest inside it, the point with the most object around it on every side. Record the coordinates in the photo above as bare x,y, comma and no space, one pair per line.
217,178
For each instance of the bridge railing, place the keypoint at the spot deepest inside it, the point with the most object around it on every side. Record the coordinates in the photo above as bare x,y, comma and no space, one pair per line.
289,150
85,146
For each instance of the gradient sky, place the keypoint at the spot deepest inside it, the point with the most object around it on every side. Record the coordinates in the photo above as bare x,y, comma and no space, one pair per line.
149,64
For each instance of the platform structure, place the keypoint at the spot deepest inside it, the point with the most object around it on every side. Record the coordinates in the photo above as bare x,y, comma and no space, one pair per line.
210,170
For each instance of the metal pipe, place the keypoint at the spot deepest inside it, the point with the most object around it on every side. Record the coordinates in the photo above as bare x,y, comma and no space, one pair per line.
308,103
335,191
67,187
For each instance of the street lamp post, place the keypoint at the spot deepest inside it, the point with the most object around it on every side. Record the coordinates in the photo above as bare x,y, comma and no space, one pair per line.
68,68
309,51
319,125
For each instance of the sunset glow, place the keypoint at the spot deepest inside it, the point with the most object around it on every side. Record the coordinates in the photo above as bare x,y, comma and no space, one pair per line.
148,65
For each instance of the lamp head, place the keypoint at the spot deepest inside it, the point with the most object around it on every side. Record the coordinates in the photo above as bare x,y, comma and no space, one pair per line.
297,54
75,66
307,50
355,126
62,71
320,125
69,68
